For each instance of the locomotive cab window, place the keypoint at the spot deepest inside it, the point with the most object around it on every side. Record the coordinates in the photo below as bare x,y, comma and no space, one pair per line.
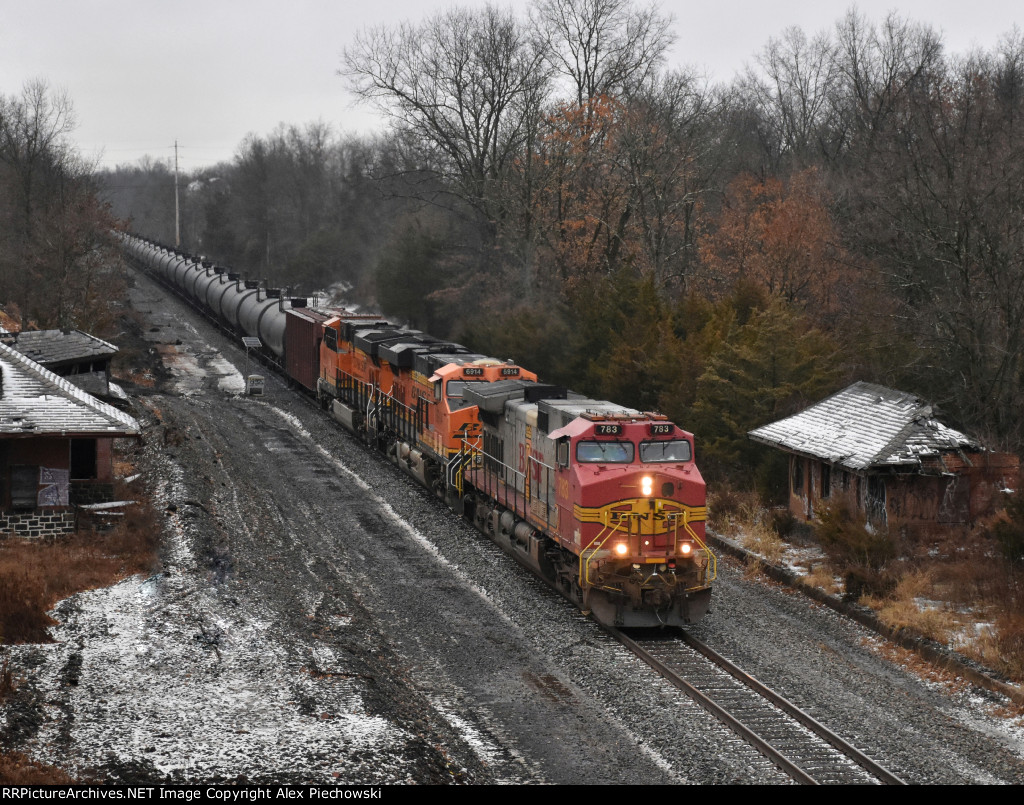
605,452
331,339
563,453
673,451
455,389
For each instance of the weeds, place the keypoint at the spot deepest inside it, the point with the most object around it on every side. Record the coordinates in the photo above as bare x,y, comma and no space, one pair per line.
763,540
939,585
850,541
741,516
753,569
910,606
35,574
1007,528
822,577
726,506
1001,646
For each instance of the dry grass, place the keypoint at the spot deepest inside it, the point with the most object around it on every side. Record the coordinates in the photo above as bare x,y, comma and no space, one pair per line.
1001,646
822,577
763,540
740,516
911,606
941,585
18,769
728,507
36,574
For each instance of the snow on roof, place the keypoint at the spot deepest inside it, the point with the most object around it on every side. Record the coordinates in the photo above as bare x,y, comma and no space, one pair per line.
865,426
50,347
34,400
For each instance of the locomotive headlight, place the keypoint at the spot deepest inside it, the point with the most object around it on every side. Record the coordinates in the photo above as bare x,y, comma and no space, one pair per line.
686,548
621,548
647,485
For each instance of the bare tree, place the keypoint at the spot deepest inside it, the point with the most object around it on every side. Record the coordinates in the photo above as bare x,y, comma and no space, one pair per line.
942,196
877,67
794,91
603,47
669,144
33,128
463,89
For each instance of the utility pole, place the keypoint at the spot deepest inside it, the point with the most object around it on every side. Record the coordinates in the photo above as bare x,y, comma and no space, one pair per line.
177,216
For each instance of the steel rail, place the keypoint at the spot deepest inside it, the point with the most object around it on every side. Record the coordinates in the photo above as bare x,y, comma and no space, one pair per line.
793,711
781,761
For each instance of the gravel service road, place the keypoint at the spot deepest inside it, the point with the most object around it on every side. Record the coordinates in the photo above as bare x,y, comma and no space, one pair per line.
320,618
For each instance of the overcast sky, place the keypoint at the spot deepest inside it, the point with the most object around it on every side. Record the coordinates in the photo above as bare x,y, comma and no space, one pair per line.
143,74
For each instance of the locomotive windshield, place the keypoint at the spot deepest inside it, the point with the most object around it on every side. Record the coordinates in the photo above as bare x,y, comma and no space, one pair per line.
673,451
604,452
454,389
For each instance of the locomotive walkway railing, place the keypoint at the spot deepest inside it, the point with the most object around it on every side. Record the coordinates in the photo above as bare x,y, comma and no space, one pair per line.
381,408
525,496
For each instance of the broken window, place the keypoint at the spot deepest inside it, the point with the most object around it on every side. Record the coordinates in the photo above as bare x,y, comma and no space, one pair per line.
83,459
24,486
798,476
826,480
876,499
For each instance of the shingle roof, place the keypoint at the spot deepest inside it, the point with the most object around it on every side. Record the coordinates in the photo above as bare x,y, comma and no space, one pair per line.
34,400
865,426
50,347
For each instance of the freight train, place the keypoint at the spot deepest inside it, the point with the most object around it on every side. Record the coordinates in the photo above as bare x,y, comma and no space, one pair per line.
603,501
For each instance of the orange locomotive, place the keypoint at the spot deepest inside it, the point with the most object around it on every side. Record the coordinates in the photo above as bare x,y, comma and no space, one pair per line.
604,501
403,390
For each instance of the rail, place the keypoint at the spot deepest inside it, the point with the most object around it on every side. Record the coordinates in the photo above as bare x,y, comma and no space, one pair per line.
808,736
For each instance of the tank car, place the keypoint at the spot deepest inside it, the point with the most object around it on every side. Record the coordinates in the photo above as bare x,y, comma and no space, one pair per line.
604,501
243,306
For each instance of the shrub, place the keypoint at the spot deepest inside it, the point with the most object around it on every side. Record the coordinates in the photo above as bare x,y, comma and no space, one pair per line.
771,478
1008,529
726,504
763,540
783,522
850,541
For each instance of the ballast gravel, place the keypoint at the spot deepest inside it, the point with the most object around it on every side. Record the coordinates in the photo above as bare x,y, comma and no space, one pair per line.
318,617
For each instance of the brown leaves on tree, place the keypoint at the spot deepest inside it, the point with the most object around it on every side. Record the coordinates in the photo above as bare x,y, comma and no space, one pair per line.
779,235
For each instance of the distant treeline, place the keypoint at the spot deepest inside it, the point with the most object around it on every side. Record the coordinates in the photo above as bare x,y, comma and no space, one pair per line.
852,207
58,261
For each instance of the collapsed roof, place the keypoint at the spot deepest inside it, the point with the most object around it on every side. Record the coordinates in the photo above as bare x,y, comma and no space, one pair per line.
35,401
866,426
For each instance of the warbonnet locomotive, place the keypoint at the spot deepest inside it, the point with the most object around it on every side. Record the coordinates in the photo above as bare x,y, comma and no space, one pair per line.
604,501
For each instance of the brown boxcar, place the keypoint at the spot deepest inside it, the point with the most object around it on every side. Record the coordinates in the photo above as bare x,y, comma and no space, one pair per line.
304,330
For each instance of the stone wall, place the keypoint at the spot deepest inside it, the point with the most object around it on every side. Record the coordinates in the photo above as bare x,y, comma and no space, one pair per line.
38,523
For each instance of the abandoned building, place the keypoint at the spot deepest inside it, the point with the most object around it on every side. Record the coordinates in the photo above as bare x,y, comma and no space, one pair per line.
883,453
81,358
56,447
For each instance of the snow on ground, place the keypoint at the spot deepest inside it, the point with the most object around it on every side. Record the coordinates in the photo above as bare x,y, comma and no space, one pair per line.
201,687
191,369
235,708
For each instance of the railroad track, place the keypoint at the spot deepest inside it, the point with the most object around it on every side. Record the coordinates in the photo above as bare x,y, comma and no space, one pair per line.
795,742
